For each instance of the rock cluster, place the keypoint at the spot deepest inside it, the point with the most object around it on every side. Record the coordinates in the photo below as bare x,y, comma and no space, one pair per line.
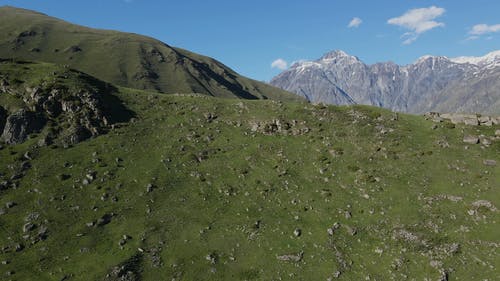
291,257
82,108
279,127
467,119
73,113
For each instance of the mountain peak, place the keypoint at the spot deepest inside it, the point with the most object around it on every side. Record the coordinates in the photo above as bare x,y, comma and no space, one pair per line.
337,54
490,58
425,58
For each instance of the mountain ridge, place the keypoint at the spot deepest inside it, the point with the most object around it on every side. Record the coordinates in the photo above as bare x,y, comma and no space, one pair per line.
431,83
124,59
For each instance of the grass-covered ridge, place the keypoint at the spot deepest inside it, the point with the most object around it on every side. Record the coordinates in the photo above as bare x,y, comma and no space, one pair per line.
124,59
201,188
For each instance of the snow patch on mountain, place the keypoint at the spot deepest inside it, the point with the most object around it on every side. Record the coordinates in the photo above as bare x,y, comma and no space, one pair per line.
490,59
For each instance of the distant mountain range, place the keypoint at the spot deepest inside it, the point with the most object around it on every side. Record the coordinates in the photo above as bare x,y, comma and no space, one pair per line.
432,83
123,59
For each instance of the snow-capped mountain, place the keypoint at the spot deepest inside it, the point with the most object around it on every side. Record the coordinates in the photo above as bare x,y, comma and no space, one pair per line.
432,83
490,60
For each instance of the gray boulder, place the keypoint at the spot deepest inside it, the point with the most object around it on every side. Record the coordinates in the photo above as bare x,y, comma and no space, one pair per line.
20,124
471,139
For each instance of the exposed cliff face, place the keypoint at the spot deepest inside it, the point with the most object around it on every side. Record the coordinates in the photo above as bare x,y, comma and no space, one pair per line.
429,84
20,124
66,105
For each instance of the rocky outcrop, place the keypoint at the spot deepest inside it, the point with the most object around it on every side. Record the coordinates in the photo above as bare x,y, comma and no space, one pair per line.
467,119
82,109
20,124
74,106
279,127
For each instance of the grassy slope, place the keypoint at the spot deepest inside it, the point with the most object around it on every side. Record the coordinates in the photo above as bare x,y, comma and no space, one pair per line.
123,59
212,181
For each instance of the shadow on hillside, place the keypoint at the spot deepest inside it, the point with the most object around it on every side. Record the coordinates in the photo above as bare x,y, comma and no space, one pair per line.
113,107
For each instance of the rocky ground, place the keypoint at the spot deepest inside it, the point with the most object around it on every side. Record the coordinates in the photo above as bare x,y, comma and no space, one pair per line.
187,187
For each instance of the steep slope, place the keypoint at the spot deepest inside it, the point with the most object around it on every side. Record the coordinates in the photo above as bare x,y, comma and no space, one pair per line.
430,84
123,59
202,188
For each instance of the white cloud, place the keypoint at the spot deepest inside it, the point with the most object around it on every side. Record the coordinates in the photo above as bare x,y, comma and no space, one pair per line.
355,22
280,64
480,29
473,37
418,21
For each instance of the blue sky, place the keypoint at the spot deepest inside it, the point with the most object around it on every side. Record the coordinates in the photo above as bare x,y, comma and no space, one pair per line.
249,36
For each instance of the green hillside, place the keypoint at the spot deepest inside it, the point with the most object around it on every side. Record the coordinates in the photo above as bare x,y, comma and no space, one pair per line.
123,59
190,187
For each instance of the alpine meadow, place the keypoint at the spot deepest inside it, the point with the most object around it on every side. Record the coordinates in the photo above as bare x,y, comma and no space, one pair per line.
124,158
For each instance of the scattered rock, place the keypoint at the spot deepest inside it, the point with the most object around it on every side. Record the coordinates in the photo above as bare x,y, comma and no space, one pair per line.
212,258
19,247
279,127
351,230
297,232
443,275
122,242
28,227
129,270
42,233
490,162
156,257
105,219
456,118
409,237
209,117
485,141
347,215
4,185
10,204
91,176
291,257
471,139
257,224
331,230
485,204
467,119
